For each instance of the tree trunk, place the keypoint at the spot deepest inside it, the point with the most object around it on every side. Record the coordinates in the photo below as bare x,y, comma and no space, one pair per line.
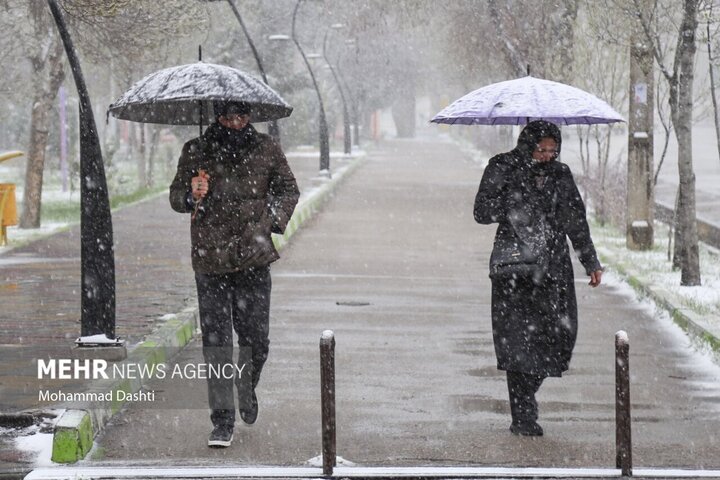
711,68
677,235
566,39
48,74
690,260
142,166
154,137
513,57
132,140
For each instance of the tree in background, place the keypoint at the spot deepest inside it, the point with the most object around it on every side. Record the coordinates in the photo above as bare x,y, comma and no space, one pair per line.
680,79
391,48
601,67
711,38
541,38
144,27
40,45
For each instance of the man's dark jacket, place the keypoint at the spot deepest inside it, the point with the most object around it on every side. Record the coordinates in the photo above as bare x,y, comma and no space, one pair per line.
535,325
252,193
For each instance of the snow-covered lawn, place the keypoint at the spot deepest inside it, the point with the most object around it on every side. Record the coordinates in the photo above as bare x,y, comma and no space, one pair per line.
655,267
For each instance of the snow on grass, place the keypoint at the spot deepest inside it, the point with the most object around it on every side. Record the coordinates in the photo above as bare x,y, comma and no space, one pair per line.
19,236
653,266
700,354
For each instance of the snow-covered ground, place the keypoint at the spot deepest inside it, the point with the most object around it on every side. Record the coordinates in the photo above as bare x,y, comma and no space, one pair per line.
654,264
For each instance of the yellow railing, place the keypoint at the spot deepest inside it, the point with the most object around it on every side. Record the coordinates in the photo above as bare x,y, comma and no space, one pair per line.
11,154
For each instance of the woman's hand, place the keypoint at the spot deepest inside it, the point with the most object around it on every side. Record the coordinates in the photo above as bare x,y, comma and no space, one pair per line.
595,278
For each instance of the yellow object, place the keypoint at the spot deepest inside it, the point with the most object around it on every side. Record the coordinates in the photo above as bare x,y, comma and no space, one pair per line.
12,154
8,207
8,210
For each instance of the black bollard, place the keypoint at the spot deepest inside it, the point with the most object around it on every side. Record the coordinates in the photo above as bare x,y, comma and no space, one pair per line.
623,438
327,400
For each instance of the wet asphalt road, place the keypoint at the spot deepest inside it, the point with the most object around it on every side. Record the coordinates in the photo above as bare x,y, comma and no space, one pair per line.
396,266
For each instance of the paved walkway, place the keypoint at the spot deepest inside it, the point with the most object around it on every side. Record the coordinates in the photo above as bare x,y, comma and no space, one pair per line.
396,266
39,292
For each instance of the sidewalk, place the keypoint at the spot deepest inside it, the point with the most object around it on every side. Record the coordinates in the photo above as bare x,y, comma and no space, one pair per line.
155,291
396,266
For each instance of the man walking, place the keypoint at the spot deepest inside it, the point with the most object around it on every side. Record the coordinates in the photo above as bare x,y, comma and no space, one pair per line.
238,187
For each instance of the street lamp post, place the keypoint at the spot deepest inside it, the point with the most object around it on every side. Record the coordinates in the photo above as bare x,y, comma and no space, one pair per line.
97,262
273,128
347,137
323,127
354,100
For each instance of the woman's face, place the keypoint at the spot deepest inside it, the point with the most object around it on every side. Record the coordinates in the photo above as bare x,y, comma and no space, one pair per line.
545,151
235,121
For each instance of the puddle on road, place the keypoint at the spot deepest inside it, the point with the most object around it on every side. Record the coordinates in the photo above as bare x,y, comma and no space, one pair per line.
352,303
479,403
489,371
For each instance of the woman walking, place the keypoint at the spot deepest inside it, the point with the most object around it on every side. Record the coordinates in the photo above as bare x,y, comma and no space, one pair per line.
534,199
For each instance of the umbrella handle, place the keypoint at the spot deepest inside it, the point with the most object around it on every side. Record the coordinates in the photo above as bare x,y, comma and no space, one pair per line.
197,206
200,101
200,112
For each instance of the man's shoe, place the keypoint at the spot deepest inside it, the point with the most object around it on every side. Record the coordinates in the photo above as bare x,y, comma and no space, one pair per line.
250,415
526,429
221,436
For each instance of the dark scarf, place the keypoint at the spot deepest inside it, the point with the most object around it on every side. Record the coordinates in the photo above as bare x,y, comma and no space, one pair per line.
219,138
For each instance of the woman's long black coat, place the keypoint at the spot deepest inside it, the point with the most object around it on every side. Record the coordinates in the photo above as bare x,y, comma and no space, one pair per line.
535,326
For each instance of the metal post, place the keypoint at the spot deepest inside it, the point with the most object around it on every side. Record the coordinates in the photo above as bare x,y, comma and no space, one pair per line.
273,128
63,137
327,400
324,135
97,261
347,142
623,438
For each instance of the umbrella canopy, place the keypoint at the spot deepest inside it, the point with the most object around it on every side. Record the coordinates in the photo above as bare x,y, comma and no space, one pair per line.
517,102
176,95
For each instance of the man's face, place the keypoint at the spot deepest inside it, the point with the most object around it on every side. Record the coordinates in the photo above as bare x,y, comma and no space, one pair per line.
545,151
235,121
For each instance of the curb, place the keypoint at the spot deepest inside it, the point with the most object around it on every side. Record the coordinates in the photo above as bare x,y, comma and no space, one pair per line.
695,325
76,428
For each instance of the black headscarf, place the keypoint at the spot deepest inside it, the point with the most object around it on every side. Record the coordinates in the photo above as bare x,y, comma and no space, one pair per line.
528,141
534,132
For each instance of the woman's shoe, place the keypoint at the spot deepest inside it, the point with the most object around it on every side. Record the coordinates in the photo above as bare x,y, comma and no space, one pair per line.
526,429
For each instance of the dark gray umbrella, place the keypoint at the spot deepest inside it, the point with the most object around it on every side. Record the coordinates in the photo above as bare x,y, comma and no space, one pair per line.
184,95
